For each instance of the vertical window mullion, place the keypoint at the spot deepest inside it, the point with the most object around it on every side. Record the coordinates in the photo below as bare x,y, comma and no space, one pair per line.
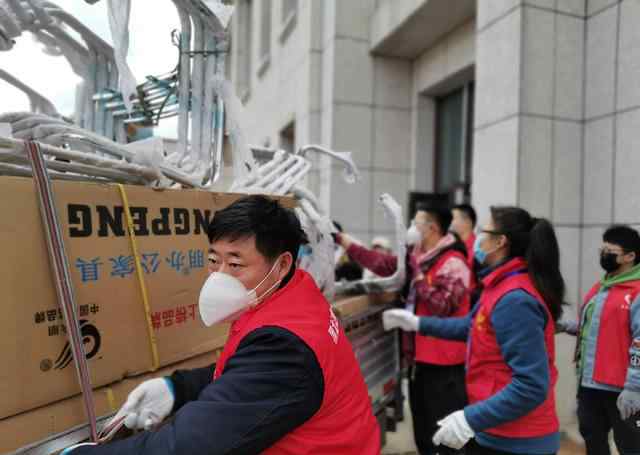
463,133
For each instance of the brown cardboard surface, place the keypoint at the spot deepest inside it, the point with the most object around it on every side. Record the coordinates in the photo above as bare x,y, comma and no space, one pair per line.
170,227
38,424
349,306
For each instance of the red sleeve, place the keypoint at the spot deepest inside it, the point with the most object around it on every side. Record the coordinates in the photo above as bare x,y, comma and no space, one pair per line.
379,263
448,289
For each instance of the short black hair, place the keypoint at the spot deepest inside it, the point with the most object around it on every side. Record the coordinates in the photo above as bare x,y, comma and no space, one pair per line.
468,211
338,226
442,217
276,229
625,237
350,271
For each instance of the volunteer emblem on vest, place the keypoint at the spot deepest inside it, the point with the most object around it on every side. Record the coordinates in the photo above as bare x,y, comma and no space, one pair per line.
90,338
481,321
334,326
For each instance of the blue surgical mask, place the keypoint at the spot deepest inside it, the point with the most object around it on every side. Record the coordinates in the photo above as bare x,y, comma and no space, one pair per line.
478,253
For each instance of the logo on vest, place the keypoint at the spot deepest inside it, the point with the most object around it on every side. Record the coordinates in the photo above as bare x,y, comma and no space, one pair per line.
334,326
481,321
627,302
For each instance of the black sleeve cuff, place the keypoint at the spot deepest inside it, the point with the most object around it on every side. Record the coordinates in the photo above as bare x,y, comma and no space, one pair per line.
187,384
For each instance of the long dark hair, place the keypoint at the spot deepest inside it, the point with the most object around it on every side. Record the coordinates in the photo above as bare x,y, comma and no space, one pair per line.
534,239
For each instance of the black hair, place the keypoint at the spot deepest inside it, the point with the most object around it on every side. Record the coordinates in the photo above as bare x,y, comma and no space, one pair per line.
276,229
350,271
534,239
468,211
625,237
442,217
338,226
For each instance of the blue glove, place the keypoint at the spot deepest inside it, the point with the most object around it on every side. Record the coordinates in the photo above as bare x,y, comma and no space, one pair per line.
68,450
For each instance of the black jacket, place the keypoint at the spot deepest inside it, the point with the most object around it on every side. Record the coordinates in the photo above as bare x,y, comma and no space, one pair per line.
271,385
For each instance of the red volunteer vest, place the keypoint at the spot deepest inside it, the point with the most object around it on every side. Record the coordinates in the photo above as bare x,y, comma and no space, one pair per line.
487,371
438,351
614,333
469,243
344,424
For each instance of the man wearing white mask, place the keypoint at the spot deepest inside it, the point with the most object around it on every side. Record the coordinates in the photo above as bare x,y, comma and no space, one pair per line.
287,381
438,282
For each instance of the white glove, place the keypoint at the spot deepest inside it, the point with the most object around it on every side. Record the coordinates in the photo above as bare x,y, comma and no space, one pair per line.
628,403
148,404
403,319
454,431
391,208
568,327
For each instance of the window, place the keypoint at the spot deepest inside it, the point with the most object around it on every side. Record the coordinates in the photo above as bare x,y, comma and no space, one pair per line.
289,14
454,128
244,47
265,35
288,138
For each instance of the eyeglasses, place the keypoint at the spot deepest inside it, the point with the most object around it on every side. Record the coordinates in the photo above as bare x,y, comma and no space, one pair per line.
488,231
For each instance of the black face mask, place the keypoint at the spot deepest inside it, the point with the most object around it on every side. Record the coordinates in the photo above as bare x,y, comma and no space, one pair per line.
609,262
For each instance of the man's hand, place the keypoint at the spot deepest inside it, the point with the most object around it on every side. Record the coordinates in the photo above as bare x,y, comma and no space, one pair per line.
403,319
148,404
568,327
344,240
454,431
628,403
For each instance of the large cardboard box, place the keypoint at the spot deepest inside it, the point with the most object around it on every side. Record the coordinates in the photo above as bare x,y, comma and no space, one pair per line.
38,424
170,228
346,307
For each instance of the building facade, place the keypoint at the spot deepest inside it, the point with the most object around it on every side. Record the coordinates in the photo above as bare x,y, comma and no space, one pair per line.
527,102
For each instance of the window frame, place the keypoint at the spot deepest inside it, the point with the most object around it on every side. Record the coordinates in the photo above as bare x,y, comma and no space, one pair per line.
468,90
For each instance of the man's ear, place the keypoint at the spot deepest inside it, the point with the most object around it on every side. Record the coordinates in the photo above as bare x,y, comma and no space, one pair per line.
633,256
286,262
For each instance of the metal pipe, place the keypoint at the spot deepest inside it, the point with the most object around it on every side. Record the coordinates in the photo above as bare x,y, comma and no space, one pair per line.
14,145
12,157
101,84
38,102
278,185
89,36
197,94
206,152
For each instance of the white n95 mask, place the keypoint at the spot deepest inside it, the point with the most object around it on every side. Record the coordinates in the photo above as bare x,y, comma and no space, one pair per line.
223,298
414,236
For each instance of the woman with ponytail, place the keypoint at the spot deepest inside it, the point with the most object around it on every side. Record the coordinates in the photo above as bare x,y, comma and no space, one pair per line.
510,366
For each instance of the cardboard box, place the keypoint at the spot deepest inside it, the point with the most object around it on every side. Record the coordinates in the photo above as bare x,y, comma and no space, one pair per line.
170,227
349,306
38,424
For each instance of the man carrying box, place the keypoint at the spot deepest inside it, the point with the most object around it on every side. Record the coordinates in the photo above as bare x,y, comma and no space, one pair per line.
287,381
